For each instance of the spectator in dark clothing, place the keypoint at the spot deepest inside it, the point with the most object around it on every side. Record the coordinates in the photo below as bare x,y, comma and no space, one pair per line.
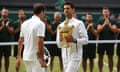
51,36
89,51
6,30
17,25
55,51
106,28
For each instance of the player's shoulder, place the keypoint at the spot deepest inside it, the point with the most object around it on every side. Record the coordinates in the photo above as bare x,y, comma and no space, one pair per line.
26,21
41,22
77,21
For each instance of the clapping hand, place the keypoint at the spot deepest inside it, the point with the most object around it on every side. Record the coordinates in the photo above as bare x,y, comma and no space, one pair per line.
89,26
106,22
3,24
7,23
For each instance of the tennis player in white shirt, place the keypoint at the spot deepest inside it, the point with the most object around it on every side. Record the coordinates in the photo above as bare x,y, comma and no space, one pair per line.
32,34
71,40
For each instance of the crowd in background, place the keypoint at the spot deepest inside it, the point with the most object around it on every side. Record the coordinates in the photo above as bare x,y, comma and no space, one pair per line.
106,28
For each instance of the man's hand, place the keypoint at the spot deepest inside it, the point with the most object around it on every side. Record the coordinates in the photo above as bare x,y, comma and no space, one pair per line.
7,23
18,61
89,26
2,26
69,38
106,22
41,60
48,27
42,63
3,23
17,30
113,28
99,28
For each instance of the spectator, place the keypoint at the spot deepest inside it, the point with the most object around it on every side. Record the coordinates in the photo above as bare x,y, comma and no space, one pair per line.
54,50
50,34
89,51
17,26
106,28
6,29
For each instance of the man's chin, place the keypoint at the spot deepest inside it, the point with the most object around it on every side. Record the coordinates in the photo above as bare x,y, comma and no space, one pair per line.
4,16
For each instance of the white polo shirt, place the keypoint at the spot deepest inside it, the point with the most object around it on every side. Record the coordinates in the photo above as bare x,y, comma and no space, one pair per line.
30,29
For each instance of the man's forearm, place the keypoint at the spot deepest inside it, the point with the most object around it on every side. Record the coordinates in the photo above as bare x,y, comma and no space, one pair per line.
16,31
88,27
10,29
1,28
118,31
103,25
40,52
94,31
20,44
113,28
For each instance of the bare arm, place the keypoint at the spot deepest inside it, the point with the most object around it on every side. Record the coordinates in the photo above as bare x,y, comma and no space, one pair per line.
40,48
16,30
10,29
88,27
113,28
100,27
20,44
118,30
2,26
94,31
40,52
49,29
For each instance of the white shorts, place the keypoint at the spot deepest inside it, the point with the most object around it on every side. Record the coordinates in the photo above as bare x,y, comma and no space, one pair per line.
33,66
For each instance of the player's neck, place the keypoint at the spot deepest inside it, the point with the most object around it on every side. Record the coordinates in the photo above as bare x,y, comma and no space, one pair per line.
68,16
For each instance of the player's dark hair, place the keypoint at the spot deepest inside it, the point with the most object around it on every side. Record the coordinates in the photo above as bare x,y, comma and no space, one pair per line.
38,7
69,3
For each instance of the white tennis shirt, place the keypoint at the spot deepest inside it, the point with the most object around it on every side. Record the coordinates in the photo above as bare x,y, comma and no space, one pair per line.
30,30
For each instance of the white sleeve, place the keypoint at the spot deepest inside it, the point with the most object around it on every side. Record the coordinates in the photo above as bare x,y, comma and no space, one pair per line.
21,31
41,30
82,34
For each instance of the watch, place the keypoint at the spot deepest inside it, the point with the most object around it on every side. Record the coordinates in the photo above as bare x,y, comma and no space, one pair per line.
75,40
